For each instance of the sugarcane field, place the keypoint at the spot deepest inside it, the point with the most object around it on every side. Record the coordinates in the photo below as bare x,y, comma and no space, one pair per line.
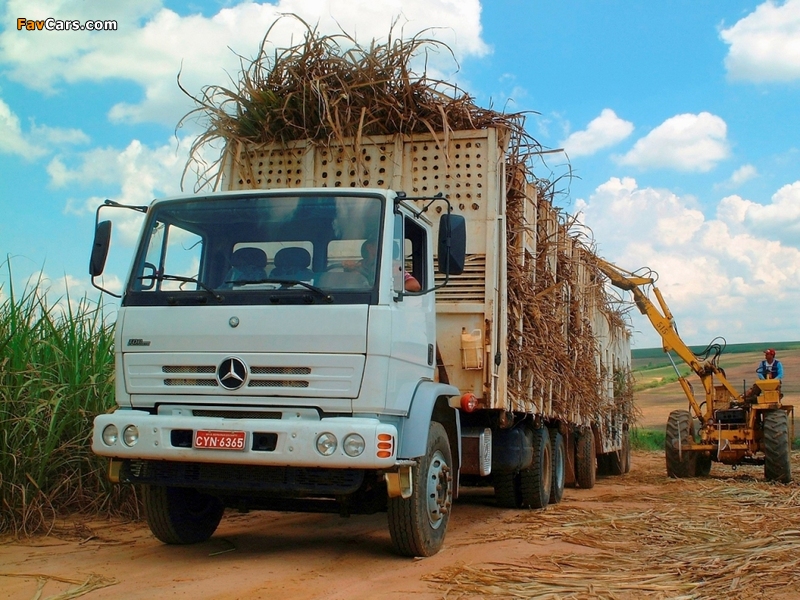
360,330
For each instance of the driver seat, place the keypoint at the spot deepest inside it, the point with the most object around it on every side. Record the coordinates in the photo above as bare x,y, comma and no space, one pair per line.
247,264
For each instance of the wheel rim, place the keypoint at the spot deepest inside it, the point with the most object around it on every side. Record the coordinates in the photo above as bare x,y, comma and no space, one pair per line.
439,494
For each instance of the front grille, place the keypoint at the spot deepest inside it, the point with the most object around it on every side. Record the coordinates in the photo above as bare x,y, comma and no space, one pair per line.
277,383
280,370
288,481
194,382
188,369
236,414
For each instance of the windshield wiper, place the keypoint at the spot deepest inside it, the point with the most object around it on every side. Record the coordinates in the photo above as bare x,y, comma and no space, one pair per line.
163,276
325,295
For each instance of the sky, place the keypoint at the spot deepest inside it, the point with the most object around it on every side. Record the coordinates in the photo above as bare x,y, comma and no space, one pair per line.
679,123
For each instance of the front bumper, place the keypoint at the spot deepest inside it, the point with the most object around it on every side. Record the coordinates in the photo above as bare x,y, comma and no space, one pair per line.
294,446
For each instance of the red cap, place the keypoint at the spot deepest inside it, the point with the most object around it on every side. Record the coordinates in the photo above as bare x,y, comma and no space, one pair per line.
769,352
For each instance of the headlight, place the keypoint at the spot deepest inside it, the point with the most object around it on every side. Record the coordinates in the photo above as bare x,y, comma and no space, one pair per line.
131,435
110,435
326,444
353,445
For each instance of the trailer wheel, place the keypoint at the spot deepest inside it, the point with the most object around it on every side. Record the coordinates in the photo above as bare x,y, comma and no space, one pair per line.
618,462
181,515
777,454
418,524
559,466
585,460
536,481
680,463
626,451
506,489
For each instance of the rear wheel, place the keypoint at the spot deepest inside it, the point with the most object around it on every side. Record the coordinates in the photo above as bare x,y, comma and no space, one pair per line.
626,448
181,515
586,460
680,462
535,481
559,466
777,455
506,489
418,524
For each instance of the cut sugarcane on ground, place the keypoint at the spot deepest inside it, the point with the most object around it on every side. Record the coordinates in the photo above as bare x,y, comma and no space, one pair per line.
641,535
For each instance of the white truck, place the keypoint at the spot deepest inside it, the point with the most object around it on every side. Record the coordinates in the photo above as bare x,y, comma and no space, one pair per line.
269,355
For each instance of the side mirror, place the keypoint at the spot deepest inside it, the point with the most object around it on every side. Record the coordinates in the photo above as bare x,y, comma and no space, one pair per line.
102,240
452,244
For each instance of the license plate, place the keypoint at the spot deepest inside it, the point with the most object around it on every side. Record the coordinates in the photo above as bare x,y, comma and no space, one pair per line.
219,440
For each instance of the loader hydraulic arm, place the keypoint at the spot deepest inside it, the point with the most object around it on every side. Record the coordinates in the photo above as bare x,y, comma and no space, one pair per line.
663,322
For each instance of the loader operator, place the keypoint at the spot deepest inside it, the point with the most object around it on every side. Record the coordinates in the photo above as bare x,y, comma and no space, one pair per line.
770,367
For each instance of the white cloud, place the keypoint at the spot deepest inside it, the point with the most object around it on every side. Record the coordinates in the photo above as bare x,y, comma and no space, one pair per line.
730,275
684,142
742,174
602,132
153,43
12,138
765,45
779,220
37,141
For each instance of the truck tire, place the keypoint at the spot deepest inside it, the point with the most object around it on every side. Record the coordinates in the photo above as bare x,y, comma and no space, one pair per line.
679,431
418,524
618,462
626,448
536,481
559,452
506,489
181,515
585,460
777,454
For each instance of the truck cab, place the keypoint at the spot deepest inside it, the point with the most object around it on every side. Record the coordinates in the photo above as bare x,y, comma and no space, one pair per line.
268,356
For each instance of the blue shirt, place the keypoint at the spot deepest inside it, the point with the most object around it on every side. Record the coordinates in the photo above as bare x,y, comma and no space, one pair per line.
775,369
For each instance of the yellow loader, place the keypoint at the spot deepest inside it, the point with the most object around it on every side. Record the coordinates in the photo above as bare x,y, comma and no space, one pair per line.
753,427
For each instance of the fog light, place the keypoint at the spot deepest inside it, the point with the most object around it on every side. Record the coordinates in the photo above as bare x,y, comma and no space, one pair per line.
130,435
353,445
326,444
110,435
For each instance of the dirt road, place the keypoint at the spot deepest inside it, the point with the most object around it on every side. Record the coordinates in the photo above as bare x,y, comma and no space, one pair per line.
632,536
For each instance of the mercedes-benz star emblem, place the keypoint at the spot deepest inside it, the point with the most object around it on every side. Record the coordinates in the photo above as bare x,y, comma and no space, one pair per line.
232,373
233,322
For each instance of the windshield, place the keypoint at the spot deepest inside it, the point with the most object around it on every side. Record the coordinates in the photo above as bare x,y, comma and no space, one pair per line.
253,249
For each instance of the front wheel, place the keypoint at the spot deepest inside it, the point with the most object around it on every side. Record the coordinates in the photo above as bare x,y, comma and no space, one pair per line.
418,524
181,515
777,455
680,462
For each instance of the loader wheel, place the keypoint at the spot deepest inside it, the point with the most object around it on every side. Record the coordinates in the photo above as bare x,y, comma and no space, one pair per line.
506,489
777,454
559,451
181,515
417,525
535,482
586,460
702,465
680,463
